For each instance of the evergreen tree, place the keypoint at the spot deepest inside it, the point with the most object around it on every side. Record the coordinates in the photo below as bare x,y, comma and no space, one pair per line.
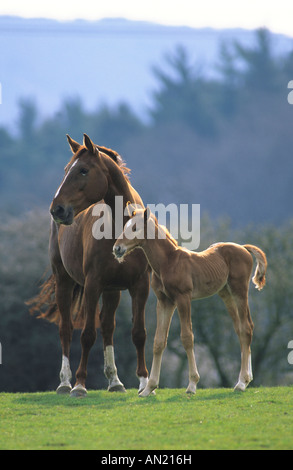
182,96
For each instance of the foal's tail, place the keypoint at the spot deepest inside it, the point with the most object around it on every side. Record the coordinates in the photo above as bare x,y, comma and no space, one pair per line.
44,304
259,278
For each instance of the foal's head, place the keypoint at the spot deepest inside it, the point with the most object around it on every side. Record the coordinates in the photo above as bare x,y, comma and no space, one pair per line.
135,233
85,182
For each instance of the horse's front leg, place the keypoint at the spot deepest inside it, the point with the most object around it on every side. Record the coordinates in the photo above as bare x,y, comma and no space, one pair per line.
165,310
63,294
139,294
107,320
88,335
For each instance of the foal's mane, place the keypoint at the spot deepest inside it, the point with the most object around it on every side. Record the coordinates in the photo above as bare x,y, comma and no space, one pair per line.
166,232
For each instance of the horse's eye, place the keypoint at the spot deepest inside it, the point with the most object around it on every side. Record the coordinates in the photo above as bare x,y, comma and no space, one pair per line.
84,171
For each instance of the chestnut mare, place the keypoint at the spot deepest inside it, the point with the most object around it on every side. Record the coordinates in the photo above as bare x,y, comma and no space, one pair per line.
84,267
180,275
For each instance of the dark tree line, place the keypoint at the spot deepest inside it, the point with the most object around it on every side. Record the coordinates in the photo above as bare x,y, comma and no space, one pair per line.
233,133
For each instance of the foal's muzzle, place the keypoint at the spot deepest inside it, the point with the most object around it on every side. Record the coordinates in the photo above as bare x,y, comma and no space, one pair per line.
62,215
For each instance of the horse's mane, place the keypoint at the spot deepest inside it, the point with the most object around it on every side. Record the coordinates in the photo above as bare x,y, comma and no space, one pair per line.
110,153
117,159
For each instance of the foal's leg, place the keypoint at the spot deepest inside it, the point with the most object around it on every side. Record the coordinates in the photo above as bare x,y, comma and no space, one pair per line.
88,335
237,306
187,338
139,294
165,310
246,331
64,289
107,319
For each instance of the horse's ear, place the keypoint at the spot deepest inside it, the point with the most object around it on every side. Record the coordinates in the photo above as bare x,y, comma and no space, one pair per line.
75,146
89,144
147,214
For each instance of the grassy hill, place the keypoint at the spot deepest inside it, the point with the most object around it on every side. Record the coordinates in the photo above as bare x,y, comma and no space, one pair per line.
260,418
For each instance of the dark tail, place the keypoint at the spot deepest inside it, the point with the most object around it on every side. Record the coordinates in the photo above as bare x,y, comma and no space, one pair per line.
259,278
44,304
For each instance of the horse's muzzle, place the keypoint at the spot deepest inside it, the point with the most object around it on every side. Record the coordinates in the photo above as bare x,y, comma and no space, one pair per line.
62,215
118,252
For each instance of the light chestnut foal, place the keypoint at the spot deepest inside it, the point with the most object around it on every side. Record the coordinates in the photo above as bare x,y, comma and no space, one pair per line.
180,275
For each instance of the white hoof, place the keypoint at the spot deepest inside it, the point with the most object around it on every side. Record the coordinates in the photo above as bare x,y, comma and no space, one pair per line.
79,391
64,389
117,388
115,385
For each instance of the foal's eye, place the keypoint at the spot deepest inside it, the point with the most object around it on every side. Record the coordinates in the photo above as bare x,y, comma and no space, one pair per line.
84,171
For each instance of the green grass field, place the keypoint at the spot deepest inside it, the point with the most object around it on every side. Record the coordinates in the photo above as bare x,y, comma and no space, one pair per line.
260,418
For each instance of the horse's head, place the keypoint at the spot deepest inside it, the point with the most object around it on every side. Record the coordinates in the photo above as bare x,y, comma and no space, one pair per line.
135,232
85,182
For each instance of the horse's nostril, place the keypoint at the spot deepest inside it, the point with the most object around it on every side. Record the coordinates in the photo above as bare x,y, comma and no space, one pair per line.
58,211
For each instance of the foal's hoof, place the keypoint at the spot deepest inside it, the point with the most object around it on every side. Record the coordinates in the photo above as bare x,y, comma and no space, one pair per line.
240,387
117,388
140,393
147,391
64,389
191,389
79,391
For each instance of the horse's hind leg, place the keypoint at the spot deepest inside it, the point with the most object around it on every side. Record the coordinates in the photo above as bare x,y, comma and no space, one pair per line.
88,335
64,290
237,305
107,319
139,294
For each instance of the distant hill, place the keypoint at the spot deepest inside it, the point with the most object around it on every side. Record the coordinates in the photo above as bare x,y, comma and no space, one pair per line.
101,61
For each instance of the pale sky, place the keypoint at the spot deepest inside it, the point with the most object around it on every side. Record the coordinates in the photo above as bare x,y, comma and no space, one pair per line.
277,15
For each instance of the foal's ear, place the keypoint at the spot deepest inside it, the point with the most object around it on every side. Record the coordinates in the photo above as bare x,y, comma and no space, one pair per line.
146,214
75,146
89,144
128,209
